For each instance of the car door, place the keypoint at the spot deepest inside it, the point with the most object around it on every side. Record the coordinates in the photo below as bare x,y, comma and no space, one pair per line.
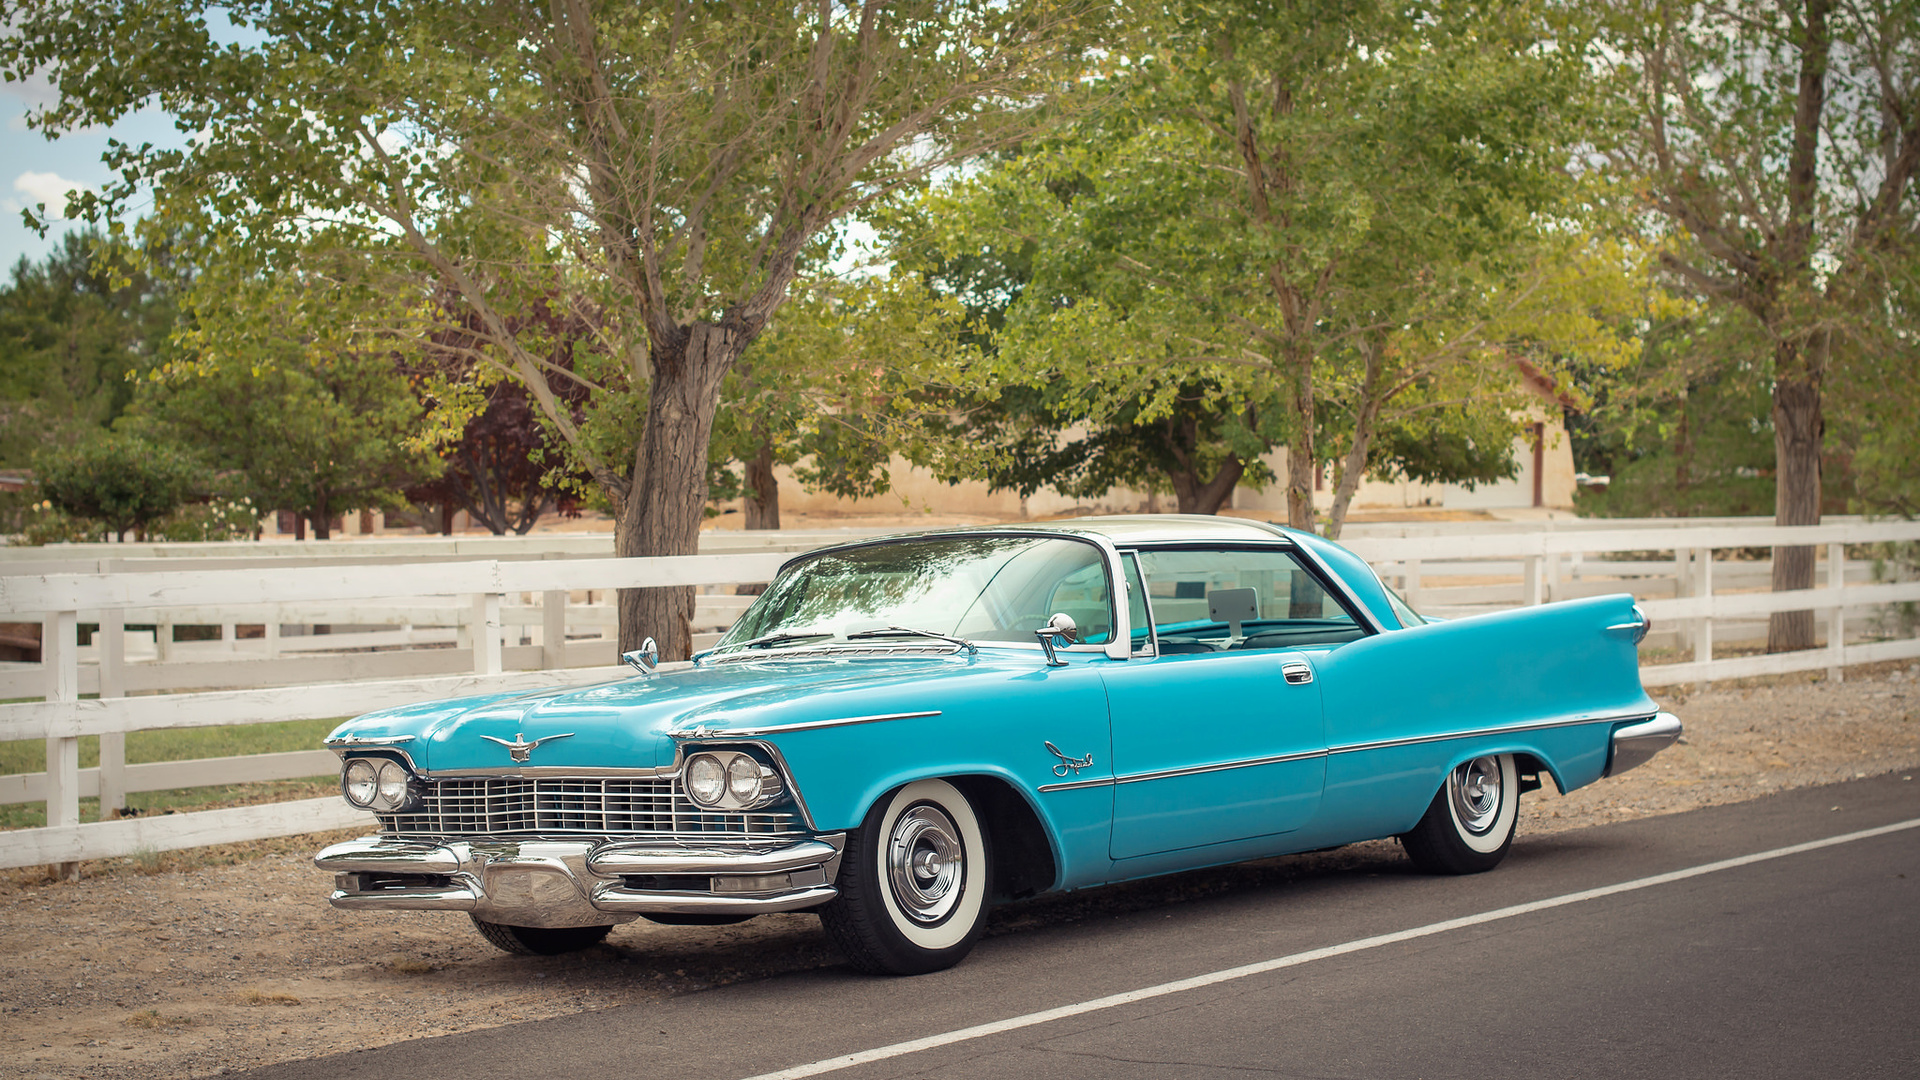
1218,730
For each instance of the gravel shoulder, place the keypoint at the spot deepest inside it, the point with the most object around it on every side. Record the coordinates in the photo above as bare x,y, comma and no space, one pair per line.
227,959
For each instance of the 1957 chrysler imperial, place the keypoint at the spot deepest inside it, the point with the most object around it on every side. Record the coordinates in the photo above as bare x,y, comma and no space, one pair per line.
901,732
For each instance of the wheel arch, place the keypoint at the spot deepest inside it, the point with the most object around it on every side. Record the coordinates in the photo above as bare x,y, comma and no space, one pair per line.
1527,761
1024,859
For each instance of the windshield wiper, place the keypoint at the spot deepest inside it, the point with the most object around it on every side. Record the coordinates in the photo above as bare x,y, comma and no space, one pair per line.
780,637
892,630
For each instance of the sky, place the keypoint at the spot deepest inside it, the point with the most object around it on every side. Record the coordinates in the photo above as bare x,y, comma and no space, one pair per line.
34,170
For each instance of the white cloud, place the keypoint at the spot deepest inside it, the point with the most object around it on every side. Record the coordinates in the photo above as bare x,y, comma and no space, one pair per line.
46,187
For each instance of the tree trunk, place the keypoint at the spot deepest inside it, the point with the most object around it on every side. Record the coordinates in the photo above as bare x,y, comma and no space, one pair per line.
667,496
763,488
1301,461
1353,467
1194,496
1797,431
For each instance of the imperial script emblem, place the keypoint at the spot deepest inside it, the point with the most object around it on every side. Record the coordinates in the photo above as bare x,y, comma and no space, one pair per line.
520,749
1069,763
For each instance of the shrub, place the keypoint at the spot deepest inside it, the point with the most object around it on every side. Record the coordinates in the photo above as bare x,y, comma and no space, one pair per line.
122,481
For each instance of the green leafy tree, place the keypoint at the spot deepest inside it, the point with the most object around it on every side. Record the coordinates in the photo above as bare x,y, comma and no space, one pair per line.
320,435
853,371
73,329
1300,214
668,167
124,482
1779,143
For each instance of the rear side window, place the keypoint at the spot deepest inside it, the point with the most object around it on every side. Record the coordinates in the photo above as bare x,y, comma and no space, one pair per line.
1207,600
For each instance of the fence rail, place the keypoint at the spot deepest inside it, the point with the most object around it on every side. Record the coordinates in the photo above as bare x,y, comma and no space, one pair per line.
410,630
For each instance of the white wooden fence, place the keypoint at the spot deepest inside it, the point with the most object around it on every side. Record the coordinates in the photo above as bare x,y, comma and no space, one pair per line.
414,630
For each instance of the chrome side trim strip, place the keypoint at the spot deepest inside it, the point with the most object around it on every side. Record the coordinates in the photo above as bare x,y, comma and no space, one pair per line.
1351,748
1506,729
1222,766
1075,785
811,725
1189,770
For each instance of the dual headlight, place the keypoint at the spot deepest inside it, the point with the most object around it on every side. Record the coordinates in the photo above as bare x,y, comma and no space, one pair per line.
378,784
729,780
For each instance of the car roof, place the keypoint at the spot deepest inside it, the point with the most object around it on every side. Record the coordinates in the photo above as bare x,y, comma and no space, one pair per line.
1127,530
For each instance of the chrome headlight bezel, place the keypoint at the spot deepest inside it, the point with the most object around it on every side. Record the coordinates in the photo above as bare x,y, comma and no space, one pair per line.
746,782
394,789
363,773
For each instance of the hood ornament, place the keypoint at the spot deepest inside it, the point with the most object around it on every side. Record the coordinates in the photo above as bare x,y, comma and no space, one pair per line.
520,749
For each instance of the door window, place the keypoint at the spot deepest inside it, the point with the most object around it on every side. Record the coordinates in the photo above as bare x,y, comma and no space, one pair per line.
1216,600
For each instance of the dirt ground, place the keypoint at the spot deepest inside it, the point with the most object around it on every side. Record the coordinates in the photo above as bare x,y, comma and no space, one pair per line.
199,963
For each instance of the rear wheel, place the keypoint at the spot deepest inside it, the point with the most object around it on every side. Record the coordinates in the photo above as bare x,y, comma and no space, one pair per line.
1469,826
540,940
913,883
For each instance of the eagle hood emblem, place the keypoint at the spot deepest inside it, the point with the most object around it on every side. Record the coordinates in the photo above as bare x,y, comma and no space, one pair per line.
520,749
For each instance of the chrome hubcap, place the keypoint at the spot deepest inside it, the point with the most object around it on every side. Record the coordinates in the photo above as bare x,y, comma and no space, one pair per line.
924,863
1475,790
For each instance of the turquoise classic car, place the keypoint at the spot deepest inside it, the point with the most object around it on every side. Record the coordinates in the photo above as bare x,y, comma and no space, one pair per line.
900,733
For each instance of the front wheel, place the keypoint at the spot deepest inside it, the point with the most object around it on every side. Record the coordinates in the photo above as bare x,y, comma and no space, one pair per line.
540,940
913,883
1469,825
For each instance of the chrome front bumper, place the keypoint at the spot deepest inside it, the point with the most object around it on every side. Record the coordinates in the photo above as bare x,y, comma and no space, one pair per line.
1636,743
579,882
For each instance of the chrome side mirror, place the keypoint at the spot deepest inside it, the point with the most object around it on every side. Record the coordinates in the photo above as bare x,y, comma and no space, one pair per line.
643,659
1061,626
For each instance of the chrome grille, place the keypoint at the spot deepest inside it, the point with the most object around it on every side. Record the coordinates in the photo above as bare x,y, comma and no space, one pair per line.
584,806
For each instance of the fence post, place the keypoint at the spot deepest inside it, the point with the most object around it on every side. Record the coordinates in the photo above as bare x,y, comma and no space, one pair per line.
59,641
1683,586
1532,580
1703,635
1837,619
1410,584
553,629
110,643
1553,576
486,634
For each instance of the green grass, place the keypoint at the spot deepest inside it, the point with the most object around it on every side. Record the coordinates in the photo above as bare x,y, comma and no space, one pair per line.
180,744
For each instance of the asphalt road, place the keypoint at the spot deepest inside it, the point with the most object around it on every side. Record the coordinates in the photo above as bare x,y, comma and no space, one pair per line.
1805,964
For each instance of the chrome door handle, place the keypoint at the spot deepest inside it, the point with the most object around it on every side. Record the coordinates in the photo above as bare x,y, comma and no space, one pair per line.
1297,672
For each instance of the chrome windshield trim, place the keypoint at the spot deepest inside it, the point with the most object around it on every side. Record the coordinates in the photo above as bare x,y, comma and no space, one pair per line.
1504,729
1117,649
831,650
810,725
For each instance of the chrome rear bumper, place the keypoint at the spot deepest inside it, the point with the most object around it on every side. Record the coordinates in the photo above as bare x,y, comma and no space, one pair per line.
1635,743
578,882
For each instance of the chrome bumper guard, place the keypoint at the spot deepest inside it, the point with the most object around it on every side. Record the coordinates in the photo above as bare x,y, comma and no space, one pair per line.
578,882
1636,743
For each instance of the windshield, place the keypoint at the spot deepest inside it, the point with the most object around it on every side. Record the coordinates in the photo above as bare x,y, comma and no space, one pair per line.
991,588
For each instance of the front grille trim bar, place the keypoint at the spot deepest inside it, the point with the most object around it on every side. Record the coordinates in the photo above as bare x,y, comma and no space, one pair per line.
627,808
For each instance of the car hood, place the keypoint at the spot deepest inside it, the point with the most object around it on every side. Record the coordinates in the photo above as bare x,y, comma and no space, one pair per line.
629,724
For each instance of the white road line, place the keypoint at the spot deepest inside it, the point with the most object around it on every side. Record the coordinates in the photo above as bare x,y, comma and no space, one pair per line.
1014,1023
